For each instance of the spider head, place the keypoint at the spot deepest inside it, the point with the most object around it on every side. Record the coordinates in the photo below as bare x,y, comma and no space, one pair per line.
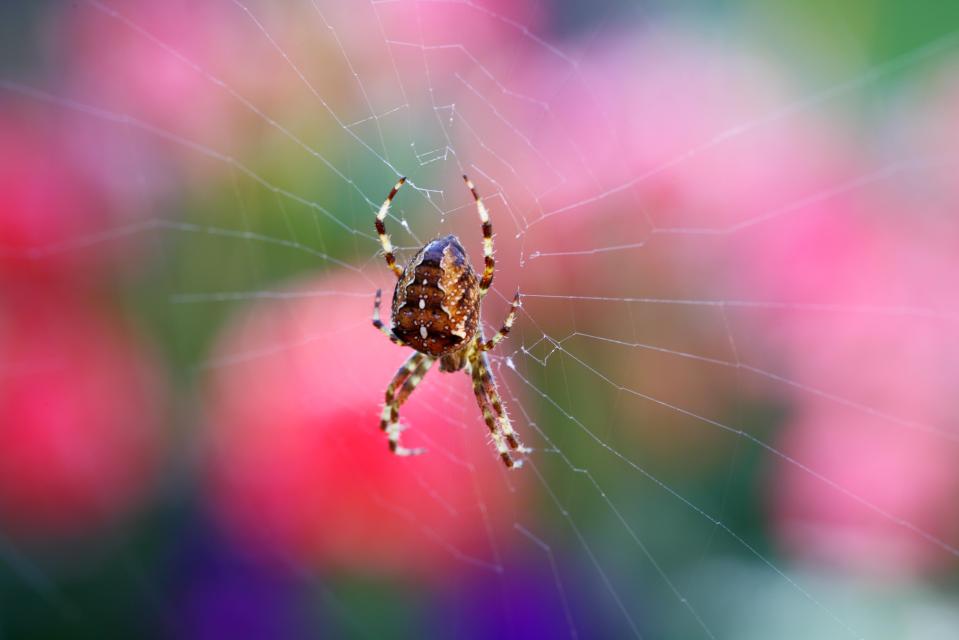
436,301
434,250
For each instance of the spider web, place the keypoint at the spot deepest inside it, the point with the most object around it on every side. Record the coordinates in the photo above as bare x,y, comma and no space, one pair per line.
665,348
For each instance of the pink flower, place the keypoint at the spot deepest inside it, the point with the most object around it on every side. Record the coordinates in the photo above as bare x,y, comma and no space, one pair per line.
140,59
867,333
50,205
892,471
297,463
643,179
80,412
703,171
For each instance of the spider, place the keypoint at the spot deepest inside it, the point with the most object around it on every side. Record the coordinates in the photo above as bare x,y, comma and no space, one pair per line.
436,311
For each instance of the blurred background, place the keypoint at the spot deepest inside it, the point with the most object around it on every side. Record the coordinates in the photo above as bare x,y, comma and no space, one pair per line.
735,229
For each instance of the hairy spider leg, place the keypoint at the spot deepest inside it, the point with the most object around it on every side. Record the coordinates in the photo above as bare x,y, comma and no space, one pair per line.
504,330
379,323
483,401
482,370
487,396
407,377
402,382
415,378
381,230
488,269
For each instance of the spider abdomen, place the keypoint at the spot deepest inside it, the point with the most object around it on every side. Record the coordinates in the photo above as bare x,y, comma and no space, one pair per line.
435,304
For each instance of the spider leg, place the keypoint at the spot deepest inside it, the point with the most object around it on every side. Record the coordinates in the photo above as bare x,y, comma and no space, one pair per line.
483,401
425,364
488,269
381,230
491,408
485,375
507,325
379,323
399,383
405,380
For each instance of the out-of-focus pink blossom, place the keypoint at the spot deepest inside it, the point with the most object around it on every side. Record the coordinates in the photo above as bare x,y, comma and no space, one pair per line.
651,151
717,181
907,475
297,463
154,61
80,412
225,74
659,152
49,205
452,36
865,330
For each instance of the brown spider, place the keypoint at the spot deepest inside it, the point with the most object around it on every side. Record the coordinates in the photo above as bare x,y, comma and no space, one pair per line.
436,308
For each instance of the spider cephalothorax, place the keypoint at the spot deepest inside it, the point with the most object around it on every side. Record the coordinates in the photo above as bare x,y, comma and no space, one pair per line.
436,307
